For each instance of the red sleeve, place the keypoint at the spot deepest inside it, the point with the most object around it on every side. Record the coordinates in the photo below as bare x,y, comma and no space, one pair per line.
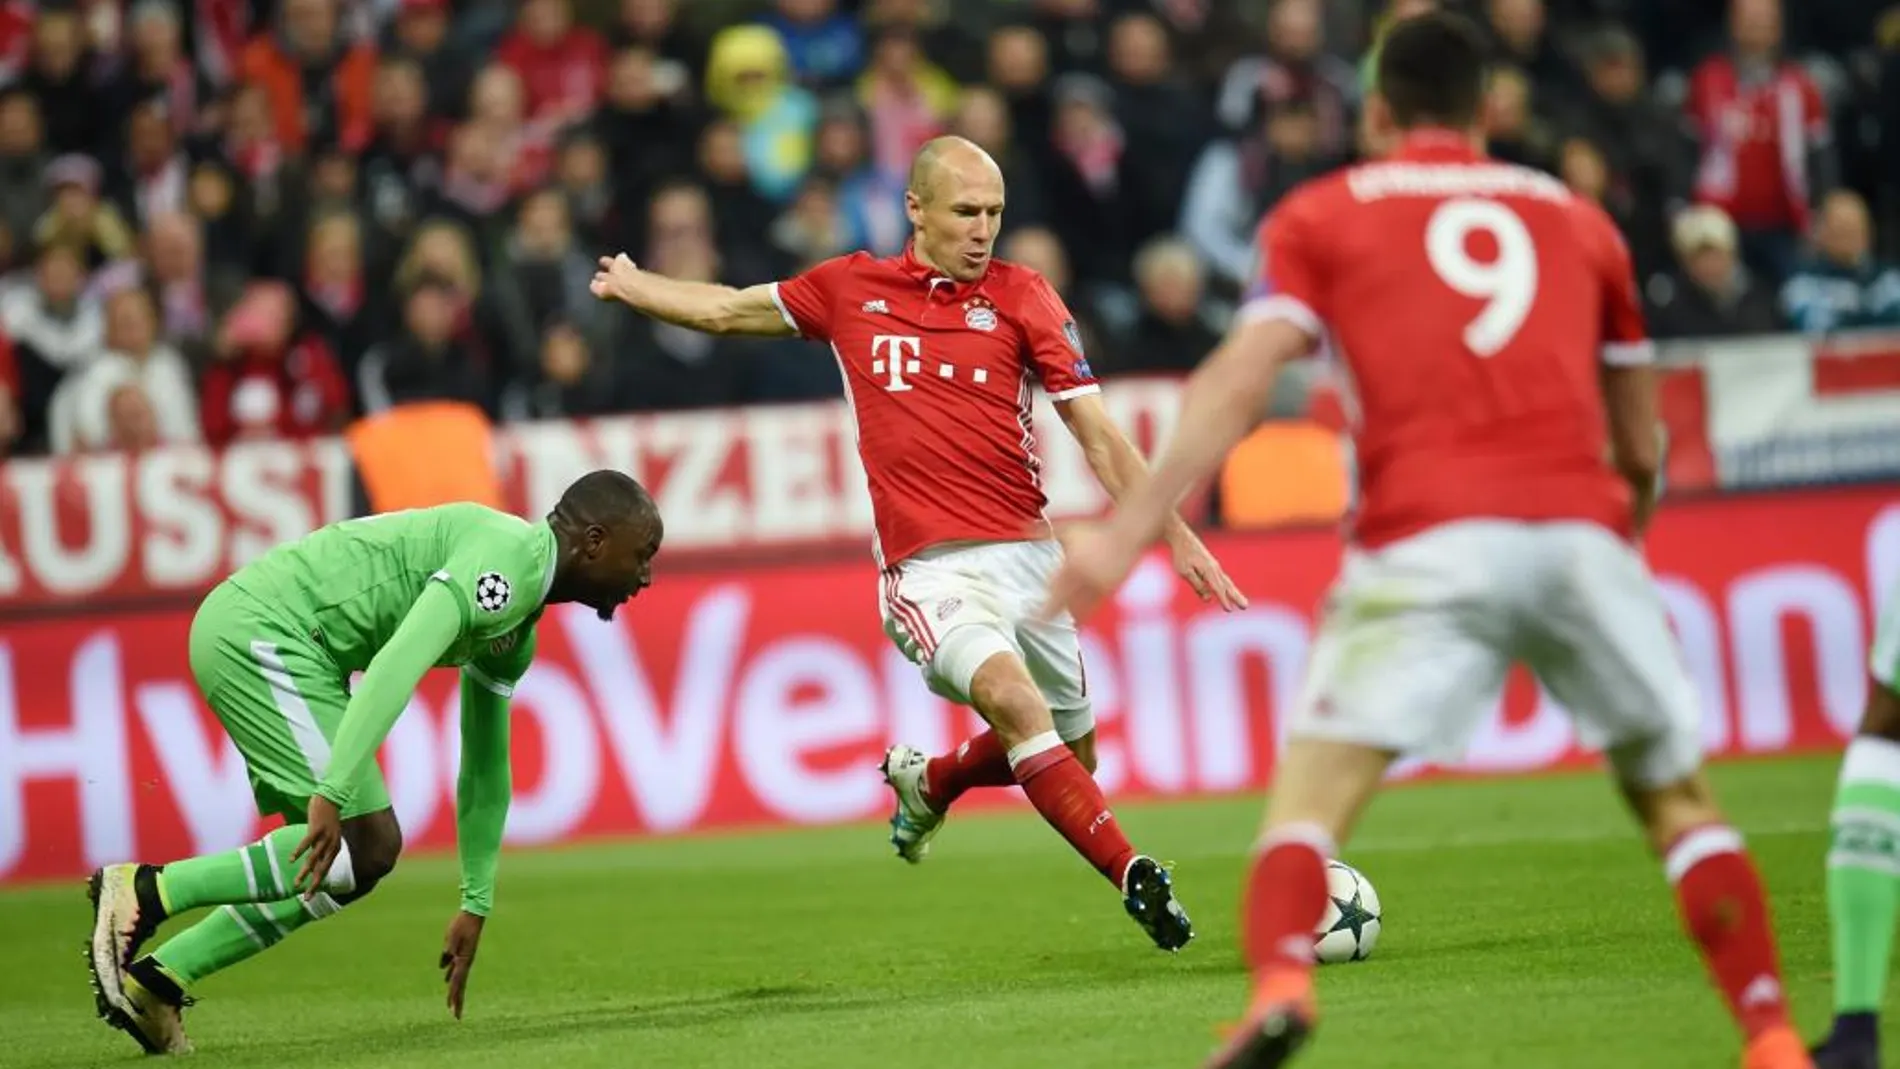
1054,343
1286,282
809,300
1625,333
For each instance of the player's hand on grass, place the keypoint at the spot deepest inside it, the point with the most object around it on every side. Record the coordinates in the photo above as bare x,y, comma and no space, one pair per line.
320,846
458,956
1194,563
616,279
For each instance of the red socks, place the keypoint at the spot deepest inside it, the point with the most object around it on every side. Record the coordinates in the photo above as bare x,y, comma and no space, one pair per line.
1071,801
1722,904
979,762
1286,897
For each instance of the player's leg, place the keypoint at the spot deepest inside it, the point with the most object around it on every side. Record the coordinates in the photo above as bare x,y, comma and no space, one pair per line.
1863,865
1607,654
923,601
1409,656
1053,654
1064,792
280,704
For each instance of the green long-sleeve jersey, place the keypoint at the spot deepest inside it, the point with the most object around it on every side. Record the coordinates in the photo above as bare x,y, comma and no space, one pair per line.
396,594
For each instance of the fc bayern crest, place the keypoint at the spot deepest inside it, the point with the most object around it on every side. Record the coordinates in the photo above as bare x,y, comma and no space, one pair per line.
980,318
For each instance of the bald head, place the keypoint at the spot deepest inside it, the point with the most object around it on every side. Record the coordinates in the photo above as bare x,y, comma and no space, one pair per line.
947,157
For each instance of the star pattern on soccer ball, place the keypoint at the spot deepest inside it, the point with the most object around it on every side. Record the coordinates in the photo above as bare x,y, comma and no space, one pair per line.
492,591
1352,915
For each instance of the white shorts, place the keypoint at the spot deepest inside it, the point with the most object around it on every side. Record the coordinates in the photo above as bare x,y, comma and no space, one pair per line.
950,608
1419,635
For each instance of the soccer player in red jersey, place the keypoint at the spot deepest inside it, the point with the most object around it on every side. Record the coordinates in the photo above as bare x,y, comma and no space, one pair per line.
1507,445
940,348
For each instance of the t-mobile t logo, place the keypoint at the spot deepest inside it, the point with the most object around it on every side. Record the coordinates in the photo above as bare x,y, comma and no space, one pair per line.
900,355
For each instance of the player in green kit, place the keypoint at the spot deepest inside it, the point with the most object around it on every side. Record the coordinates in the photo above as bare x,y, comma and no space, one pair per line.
1863,862
272,649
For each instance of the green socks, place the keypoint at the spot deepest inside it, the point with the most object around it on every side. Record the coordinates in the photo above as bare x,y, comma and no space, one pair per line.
252,884
1863,872
232,933
260,872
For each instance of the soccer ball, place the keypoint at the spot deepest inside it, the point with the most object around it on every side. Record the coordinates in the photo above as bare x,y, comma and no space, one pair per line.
1350,928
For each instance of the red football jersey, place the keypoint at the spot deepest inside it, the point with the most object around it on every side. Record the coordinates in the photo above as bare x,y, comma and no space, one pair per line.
1468,304
938,374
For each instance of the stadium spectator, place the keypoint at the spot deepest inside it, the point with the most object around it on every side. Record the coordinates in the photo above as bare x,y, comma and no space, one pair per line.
1764,135
573,379
907,99
420,35
1295,67
1018,68
270,380
185,287
825,45
1238,178
748,81
1095,194
871,199
1650,160
420,361
1177,326
1513,131
56,329
655,26
562,67
1521,32
541,277
156,68
1712,295
316,80
23,159
78,217
650,134
72,108
1038,249
339,303
1161,112
1841,284
154,178
87,412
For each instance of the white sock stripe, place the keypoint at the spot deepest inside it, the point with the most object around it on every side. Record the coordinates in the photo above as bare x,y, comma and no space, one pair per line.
276,871
1304,833
250,871
1879,818
1030,747
320,905
246,925
1884,864
277,925
1699,846
1872,760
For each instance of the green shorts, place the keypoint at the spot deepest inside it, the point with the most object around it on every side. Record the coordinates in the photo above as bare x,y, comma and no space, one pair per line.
279,697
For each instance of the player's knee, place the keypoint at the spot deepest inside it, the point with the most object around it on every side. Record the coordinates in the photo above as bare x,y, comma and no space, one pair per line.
1009,700
1881,720
1083,748
375,842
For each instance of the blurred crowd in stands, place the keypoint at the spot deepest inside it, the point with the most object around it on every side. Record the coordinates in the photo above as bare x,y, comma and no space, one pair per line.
223,219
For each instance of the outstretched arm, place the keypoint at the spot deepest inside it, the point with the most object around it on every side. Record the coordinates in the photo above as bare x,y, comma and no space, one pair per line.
702,306
1120,466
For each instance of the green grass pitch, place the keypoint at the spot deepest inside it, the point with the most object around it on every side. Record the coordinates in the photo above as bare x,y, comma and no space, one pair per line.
1525,925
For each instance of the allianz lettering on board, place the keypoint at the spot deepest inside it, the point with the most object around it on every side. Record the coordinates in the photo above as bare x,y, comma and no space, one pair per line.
761,697
176,521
